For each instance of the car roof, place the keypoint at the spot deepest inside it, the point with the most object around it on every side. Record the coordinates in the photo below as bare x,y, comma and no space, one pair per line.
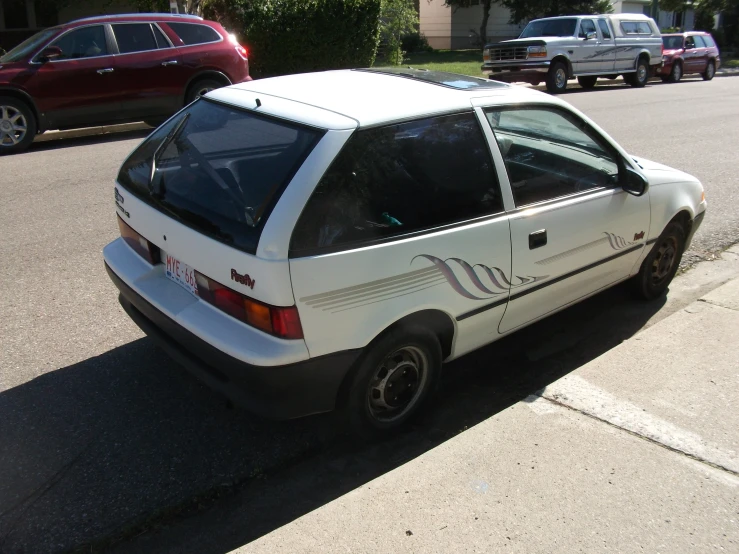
373,97
166,17
685,34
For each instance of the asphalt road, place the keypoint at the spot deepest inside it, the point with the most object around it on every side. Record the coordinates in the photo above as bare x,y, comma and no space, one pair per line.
101,434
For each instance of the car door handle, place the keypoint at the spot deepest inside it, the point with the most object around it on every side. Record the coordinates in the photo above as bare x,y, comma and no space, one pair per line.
106,70
171,62
537,239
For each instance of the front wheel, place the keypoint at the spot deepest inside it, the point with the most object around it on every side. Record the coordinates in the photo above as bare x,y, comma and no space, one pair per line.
587,82
640,78
17,125
557,78
660,265
395,377
710,71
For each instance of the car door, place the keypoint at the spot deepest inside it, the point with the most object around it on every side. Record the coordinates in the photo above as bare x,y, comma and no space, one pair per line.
408,218
701,54
79,87
574,231
588,50
151,70
691,63
607,46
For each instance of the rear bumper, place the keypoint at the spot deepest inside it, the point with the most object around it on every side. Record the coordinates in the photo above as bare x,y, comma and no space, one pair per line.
274,392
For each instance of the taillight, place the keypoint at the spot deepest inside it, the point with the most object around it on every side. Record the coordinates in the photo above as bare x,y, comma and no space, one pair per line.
139,244
243,52
278,321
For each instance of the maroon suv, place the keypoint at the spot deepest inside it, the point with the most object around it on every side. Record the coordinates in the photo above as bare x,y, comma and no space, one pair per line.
692,52
112,69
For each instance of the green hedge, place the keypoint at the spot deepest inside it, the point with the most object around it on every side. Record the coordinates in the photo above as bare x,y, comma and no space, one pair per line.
296,36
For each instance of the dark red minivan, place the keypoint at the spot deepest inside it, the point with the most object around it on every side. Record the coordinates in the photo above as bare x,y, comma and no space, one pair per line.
685,53
112,69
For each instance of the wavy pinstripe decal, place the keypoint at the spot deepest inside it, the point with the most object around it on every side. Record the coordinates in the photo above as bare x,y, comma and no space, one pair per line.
614,241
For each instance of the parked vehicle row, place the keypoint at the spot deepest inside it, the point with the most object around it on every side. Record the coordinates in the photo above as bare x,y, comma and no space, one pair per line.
686,53
327,240
112,69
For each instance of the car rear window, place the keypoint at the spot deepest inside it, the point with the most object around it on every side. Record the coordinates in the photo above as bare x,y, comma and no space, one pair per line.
636,28
193,33
672,43
699,43
218,169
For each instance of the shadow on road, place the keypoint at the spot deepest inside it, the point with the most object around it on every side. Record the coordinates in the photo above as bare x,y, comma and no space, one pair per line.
57,144
117,445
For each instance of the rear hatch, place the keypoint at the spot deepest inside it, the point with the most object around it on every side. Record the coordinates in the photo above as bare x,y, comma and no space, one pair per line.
193,199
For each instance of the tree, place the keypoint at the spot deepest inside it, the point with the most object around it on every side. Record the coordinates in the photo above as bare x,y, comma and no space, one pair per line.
526,10
398,18
486,5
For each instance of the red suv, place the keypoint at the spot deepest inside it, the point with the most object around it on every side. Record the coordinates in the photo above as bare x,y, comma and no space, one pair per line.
112,69
684,53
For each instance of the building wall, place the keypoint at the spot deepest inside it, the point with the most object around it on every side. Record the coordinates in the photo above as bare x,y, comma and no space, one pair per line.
446,28
632,6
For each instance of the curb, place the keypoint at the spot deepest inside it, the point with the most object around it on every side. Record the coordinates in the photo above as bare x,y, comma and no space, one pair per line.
92,131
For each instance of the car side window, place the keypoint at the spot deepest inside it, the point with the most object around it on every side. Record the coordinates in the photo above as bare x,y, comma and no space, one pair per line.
134,37
400,178
708,39
586,26
87,42
699,41
162,41
193,33
550,154
605,31
689,42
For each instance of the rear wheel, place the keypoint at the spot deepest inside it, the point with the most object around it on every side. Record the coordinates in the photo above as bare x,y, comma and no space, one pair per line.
660,265
677,72
557,78
200,88
640,78
587,82
395,377
17,125
710,71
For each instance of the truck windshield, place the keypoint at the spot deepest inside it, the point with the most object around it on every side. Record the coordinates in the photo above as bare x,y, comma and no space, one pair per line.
550,28
218,169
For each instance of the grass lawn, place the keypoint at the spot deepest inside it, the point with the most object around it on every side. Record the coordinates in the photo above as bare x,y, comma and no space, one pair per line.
466,62
730,62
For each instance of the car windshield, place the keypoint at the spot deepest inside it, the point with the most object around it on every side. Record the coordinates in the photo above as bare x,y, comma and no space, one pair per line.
672,43
218,169
550,28
28,47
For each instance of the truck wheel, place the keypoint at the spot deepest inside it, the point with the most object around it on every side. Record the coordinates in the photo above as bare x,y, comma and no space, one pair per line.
394,378
557,78
587,82
660,265
640,78
710,71
17,125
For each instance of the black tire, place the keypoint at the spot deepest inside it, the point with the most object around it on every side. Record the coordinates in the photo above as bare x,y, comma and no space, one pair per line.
557,78
641,76
18,125
677,72
710,71
661,264
587,82
371,408
200,87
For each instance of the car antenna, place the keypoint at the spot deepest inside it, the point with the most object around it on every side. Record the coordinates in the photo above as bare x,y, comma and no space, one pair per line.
259,103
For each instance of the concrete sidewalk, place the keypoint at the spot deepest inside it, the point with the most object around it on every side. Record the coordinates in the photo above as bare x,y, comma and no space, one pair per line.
636,450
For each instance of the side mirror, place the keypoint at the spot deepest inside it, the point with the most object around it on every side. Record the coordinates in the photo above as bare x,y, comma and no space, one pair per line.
634,183
591,35
50,53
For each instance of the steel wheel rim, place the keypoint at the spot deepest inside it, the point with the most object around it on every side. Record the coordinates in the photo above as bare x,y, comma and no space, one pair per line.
641,72
664,260
397,384
13,126
560,78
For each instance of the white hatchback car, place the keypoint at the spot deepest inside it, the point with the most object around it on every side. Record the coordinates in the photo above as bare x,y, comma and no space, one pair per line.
327,240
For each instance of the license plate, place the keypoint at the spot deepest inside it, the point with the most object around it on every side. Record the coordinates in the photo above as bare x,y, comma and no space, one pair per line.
181,273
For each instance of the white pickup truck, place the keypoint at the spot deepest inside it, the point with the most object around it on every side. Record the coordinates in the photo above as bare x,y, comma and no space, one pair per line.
556,49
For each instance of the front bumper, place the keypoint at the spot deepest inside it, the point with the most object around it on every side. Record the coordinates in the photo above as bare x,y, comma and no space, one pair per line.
274,392
519,71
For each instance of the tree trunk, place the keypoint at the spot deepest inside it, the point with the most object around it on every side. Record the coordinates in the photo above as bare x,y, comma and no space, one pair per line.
484,26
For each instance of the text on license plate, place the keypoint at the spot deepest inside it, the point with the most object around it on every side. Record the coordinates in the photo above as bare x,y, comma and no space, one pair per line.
180,273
